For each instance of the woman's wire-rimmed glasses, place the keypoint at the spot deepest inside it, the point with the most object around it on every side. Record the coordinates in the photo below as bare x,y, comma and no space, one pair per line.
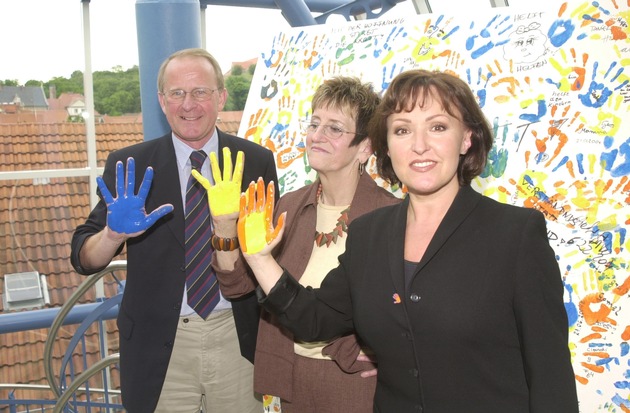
331,131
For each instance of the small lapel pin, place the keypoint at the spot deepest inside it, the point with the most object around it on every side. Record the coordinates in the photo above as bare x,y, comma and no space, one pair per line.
396,298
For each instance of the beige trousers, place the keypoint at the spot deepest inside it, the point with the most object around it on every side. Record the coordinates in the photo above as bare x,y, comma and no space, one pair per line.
206,371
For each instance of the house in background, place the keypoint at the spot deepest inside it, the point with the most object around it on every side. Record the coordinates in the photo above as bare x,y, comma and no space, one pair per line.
14,99
72,104
28,104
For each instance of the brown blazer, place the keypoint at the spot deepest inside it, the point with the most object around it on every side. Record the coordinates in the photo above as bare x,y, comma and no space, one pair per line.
273,367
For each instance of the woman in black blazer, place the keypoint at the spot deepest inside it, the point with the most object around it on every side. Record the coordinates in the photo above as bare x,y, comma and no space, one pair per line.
459,296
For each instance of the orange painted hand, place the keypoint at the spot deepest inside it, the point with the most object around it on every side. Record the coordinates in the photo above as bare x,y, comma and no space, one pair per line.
224,195
255,220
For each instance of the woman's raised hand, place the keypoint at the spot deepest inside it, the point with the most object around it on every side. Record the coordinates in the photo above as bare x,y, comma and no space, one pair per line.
256,233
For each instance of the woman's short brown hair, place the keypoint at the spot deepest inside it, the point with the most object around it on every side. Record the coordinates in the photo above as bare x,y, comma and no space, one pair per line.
413,88
351,96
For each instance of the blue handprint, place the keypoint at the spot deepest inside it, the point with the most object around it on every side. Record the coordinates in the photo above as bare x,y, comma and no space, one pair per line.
498,156
479,89
389,73
126,213
541,109
386,47
598,93
488,39
616,160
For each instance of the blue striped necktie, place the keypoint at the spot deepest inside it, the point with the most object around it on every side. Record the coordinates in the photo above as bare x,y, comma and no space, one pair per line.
201,283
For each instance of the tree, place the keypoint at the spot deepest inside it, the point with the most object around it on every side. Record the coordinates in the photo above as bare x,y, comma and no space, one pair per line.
118,103
117,92
77,77
238,89
108,88
236,71
63,85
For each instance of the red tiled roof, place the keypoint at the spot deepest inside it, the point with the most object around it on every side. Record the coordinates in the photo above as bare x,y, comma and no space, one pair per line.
64,100
227,121
127,118
230,121
29,116
244,65
37,220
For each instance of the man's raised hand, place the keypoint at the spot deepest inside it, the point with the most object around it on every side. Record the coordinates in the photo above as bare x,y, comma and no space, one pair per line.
126,213
224,195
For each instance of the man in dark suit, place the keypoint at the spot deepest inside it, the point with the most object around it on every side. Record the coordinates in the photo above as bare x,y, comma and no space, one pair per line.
171,358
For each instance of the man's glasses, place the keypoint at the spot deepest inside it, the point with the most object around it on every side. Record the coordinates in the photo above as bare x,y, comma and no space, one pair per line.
199,94
330,131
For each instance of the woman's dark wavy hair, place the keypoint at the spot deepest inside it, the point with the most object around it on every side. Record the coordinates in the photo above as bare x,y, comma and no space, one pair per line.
413,88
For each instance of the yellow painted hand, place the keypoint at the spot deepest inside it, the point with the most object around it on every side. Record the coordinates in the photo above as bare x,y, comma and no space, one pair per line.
224,195
255,220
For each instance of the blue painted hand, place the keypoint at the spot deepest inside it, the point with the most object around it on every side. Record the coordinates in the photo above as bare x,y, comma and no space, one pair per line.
126,213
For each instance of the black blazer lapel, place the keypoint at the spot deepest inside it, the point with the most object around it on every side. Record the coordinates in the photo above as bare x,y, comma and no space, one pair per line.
395,240
165,179
464,203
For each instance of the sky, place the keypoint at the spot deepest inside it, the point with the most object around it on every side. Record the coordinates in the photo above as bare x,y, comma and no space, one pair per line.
43,39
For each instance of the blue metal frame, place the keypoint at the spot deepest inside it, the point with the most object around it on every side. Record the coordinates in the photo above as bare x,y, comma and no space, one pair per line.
79,336
36,319
27,403
85,316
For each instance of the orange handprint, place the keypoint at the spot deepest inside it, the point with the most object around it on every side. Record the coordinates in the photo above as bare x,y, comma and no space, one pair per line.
256,125
255,226
572,74
290,152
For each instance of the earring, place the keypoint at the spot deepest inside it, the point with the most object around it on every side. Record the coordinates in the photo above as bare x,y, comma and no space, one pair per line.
361,168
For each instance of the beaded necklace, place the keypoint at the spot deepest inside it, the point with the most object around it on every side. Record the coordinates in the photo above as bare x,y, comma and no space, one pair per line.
322,238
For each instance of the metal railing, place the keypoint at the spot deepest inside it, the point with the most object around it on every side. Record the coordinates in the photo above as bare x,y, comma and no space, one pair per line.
79,395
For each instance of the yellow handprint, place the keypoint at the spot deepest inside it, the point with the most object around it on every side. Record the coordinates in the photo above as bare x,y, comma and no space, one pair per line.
255,220
256,124
223,196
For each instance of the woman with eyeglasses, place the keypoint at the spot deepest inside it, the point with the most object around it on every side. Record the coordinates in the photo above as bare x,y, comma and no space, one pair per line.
331,376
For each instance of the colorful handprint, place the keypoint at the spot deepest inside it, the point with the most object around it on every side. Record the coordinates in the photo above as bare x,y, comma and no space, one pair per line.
255,221
126,213
224,195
